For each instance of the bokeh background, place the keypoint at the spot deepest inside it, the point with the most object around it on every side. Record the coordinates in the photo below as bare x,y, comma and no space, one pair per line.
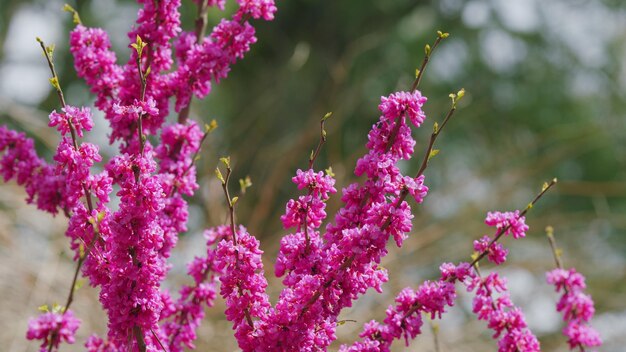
546,83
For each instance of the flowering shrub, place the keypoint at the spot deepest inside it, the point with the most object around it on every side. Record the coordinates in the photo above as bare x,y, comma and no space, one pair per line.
124,250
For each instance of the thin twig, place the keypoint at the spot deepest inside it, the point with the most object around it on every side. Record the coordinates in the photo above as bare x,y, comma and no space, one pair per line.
429,52
201,25
231,210
555,249
158,340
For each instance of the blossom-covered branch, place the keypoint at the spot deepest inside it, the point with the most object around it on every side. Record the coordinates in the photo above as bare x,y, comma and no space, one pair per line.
577,306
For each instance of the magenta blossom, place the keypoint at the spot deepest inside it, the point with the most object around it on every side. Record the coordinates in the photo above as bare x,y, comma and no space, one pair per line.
52,328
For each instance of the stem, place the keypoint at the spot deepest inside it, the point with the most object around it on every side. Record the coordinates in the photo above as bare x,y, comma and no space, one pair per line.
141,342
555,250
319,145
311,162
158,340
55,77
201,25
231,206
231,209
193,160
435,329
57,87
418,78
433,138
142,77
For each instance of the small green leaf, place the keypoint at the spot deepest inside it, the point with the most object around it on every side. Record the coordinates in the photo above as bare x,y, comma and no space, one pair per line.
43,308
330,172
436,128
139,45
79,283
244,184
341,322
218,173
559,252
442,35
433,153
55,83
327,116
56,308
50,51
460,94
312,155
427,49
75,16
475,255
148,70
417,72
210,126
234,200
81,250
226,161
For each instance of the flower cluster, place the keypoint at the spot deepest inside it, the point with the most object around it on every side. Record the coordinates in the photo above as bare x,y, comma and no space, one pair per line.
576,306
511,223
405,318
243,284
124,251
19,161
180,319
501,315
78,118
492,301
52,328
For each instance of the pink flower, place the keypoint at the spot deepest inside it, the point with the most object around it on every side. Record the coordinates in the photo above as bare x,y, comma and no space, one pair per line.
416,187
52,328
79,117
256,9
496,253
318,184
580,334
576,306
401,103
511,221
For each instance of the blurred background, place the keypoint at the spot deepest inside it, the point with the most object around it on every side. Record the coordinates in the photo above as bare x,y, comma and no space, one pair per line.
546,97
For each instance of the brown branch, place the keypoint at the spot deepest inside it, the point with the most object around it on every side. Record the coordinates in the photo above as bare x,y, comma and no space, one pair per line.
141,342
